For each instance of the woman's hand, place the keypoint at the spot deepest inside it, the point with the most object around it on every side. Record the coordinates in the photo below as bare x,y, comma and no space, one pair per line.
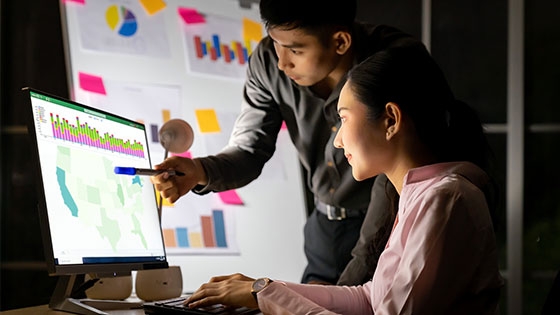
230,290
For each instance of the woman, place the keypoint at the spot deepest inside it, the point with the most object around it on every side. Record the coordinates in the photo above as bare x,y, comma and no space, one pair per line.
399,117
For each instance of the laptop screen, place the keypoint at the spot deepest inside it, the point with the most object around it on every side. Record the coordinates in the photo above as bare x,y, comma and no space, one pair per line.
93,216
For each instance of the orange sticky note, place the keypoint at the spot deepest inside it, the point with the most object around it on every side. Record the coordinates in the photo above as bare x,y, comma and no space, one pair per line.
152,6
230,197
207,120
165,115
190,15
252,30
165,203
92,83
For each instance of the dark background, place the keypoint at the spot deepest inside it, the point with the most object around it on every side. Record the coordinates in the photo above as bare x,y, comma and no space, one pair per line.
469,41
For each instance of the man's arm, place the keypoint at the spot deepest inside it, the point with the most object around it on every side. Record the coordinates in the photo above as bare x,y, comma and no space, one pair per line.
253,140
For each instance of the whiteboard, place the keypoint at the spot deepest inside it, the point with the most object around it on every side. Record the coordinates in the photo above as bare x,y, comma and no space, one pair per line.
156,76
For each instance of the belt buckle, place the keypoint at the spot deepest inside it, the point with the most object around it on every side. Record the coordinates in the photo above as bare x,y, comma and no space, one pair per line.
334,213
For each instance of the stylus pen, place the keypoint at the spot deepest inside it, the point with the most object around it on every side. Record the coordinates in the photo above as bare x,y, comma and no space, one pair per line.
144,171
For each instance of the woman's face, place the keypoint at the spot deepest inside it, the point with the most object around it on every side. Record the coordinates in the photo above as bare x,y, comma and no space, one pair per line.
363,141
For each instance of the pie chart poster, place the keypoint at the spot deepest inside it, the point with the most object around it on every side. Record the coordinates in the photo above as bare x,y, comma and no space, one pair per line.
122,27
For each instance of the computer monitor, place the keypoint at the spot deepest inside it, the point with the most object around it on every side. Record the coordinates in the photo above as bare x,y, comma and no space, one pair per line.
92,221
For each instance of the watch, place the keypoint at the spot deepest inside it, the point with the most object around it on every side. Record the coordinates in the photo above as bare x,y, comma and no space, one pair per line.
258,285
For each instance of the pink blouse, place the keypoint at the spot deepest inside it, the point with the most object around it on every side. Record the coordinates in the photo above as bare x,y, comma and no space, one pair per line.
441,257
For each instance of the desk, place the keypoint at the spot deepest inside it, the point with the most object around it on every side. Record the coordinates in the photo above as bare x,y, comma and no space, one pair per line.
44,309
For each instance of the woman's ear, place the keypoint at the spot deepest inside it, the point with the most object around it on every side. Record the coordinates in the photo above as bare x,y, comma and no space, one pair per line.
342,41
393,120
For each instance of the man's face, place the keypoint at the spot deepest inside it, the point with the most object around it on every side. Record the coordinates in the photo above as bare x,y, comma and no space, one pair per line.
302,57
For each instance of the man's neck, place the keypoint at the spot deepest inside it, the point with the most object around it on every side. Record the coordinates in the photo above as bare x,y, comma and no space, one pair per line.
324,88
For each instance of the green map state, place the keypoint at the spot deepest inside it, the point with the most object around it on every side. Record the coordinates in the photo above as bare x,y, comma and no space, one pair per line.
97,196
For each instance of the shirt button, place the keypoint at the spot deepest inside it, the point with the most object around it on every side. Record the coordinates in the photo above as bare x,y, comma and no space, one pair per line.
331,191
334,129
330,164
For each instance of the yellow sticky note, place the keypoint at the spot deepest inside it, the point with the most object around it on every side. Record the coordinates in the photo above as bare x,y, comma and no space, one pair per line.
153,6
165,203
207,120
166,115
252,30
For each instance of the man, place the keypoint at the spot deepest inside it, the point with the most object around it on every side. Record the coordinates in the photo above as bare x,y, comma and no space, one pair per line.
295,75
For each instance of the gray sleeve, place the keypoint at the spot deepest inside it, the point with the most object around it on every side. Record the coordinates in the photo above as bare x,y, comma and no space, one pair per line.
253,139
379,218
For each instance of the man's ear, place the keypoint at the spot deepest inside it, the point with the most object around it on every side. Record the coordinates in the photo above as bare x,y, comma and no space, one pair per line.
342,41
393,119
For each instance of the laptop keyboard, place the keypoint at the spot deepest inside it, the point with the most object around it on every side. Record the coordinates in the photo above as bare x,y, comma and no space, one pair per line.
175,306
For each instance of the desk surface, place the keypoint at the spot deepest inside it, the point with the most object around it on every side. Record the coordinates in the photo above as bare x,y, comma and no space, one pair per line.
44,309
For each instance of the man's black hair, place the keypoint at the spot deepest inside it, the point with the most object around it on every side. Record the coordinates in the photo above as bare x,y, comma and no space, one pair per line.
313,16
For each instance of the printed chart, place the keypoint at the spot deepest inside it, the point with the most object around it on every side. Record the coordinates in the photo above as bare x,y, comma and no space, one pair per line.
219,46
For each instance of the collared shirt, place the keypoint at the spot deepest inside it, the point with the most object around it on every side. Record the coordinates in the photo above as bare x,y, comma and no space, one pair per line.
269,98
441,257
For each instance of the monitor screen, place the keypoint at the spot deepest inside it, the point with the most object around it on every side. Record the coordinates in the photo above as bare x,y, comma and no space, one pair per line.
93,220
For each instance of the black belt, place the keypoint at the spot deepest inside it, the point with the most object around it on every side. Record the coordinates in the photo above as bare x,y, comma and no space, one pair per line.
336,214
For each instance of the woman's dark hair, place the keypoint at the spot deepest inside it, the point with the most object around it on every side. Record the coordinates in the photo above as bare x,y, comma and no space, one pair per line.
409,77
316,17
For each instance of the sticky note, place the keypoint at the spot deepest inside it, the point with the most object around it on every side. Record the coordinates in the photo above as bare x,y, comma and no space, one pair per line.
230,197
186,154
91,83
164,203
284,126
76,1
165,115
252,30
207,120
152,6
190,15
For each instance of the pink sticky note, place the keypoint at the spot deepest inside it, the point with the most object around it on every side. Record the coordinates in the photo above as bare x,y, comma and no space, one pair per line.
284,126
186,154
190,15
76,1
230,197
92,83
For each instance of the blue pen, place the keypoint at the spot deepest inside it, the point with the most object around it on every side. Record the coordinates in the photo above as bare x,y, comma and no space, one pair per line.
144,171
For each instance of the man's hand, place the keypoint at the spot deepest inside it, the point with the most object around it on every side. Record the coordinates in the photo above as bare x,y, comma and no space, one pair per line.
173,187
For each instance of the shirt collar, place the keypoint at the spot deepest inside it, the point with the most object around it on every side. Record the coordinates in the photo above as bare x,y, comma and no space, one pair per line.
466,169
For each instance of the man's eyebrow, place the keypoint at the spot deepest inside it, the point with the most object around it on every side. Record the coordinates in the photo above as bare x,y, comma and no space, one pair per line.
291,45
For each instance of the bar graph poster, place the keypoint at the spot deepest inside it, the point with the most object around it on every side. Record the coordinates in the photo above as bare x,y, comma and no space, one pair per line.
121,26
199,225
220,46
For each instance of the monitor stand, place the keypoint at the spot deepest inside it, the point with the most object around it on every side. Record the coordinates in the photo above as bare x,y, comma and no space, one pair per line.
69,296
